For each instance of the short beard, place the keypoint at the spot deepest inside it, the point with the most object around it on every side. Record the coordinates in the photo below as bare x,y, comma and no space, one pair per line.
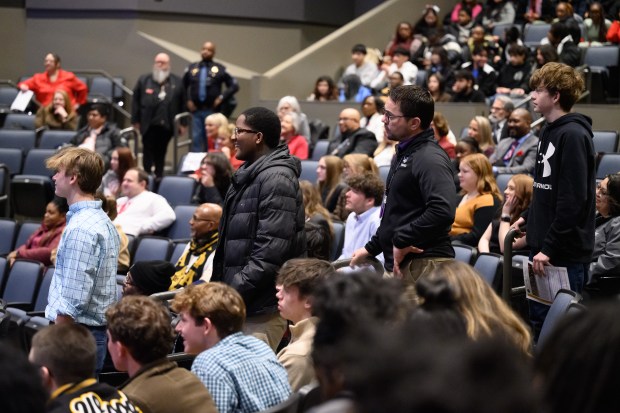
160,75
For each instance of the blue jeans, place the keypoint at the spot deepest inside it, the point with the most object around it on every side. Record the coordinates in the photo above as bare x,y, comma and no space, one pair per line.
101,339
577,275
199,136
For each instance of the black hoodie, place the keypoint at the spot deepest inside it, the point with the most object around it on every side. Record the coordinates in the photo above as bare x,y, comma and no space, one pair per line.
560,222
262,227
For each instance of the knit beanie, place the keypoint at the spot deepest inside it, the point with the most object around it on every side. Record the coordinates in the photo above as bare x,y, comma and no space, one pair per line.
152,277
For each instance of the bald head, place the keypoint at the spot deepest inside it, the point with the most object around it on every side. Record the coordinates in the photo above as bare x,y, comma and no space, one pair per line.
205,220
349,120
207,51
162,61
519,123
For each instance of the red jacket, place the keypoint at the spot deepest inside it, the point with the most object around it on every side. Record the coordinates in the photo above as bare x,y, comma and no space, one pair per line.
44,89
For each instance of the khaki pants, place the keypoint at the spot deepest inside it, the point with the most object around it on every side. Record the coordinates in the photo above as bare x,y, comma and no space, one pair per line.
415,270
268,328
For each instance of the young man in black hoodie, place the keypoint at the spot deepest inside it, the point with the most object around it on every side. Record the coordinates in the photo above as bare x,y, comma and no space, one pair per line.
420,201
560,221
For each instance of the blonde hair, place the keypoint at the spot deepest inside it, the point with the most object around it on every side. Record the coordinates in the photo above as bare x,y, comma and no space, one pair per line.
481,166
85,164
485,134
485,313
221,120
333,171
359,163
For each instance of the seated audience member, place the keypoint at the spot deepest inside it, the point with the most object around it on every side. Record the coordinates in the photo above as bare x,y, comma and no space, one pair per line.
66,355
426,25
40,244
606,256
141,211
54,78
297,144
59,114
353,164
517,153
400,63
216,125
318,241
329,182
108,204
343,304
196,261
291,104
480,130
443,374
479,37
324,90
453,15
314,210
437,87
402,39
372,109
22,389
464,147
296,282
353,138
480,200
580,360
498,12
518,195
364,199
501,108
596,26
440,63
461,29
148,278
384,153
545,53
485,76
394,80
442,130
486,314
366,71
99,135
241,372
463,88
514,77
140,337
213,178
120,162
560,37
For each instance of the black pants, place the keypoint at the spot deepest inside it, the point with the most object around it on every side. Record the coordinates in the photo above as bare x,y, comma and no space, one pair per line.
155,143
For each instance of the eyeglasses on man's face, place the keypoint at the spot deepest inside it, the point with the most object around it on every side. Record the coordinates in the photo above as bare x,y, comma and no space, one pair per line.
239,131
390,116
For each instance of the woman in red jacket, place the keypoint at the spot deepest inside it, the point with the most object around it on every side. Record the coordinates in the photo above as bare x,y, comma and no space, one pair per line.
40,244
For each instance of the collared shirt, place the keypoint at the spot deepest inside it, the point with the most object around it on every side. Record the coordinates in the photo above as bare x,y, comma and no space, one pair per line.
516,149
145,213
242,374
295,357
84,282
359,229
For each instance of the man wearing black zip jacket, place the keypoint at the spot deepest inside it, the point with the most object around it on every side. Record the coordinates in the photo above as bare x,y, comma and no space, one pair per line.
420,198
560,221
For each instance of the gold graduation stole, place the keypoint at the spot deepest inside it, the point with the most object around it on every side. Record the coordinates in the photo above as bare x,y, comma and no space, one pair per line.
186,274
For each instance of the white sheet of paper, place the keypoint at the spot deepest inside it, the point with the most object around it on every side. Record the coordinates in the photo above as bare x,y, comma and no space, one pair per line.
192,161
544,288
22,100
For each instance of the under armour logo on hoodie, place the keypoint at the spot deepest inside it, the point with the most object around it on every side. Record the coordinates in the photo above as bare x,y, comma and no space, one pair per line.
545,160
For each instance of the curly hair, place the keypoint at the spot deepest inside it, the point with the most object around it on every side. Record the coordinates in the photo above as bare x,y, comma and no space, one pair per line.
559,78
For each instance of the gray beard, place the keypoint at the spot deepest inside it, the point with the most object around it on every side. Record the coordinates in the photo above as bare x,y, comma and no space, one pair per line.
160,76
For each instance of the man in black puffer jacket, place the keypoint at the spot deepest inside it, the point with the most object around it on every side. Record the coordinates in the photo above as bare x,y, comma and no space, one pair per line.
263,222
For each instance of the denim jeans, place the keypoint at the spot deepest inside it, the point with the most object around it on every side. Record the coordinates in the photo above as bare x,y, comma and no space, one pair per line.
101,339
577,275
199,136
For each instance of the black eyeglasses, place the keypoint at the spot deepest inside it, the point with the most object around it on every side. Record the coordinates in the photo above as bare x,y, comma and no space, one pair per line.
239,131
195,218
389,116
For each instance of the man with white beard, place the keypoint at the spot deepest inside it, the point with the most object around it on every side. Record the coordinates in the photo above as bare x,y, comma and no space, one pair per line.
157,98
